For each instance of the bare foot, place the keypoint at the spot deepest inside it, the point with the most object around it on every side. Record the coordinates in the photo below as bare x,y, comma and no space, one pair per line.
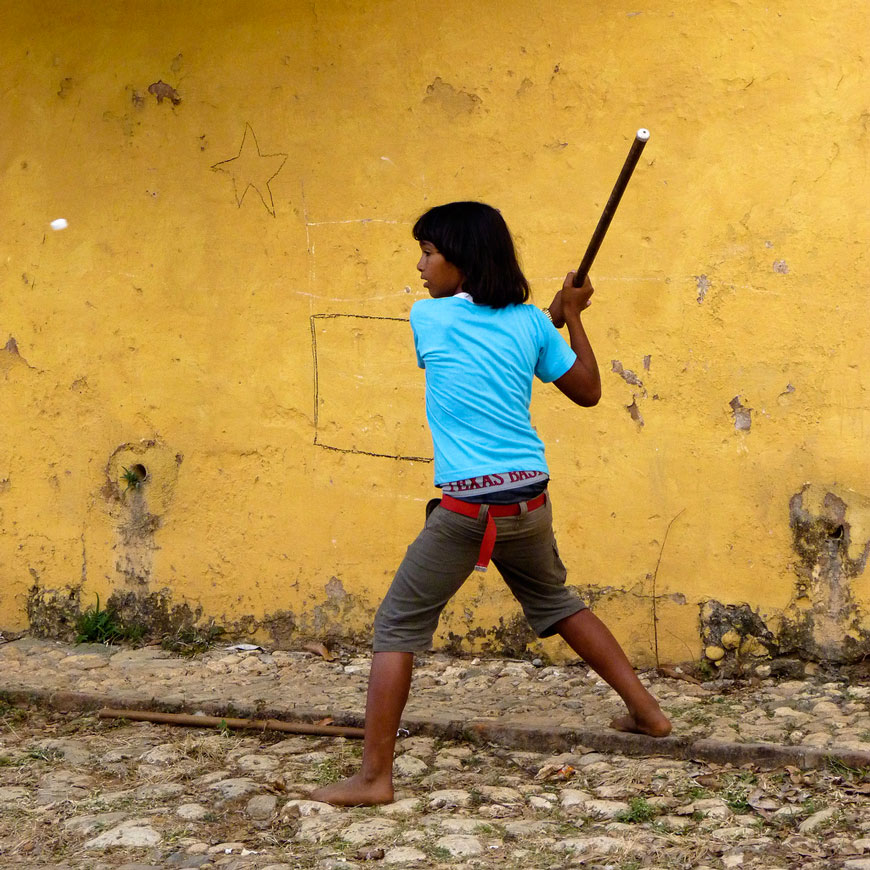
654,723
355,792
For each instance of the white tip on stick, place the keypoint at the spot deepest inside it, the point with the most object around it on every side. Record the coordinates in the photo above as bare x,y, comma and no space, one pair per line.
643,134
59,224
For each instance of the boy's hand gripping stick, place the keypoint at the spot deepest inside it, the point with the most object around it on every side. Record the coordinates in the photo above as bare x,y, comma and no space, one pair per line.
607,215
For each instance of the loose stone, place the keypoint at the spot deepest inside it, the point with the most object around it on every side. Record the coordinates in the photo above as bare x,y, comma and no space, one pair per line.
135,833
261,807
369,831
446,798
404,855
460,846
191,812
816,820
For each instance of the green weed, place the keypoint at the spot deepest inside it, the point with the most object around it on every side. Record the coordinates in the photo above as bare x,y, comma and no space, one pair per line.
639,810
840,768
706,671
133,477
96,625
698,716
10,714
329,771
39,754
736,791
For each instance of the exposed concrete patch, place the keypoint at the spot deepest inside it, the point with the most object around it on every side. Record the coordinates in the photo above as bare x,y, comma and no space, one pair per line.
734,636
823,622
163,91
626,374
830,538
634,412
13,356
742,415
703,285
327,621
512,637
53,612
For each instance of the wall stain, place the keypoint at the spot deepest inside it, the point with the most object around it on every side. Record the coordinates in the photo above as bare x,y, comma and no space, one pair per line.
452,101
823,622
163,91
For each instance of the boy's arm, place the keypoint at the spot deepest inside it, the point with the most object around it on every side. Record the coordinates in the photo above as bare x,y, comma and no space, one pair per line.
582,382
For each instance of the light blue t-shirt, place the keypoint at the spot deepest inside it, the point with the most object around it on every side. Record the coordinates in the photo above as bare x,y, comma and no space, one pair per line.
480,363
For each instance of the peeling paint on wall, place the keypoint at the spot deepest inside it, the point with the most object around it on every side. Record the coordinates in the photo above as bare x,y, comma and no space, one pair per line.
832,544
824,621
634,412
742,415
626,374
163,91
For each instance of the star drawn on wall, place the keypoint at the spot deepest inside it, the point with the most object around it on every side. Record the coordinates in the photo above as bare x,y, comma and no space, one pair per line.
250,168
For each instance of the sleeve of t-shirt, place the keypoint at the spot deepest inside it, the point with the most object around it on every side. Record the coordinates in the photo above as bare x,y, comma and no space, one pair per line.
555,356
420,362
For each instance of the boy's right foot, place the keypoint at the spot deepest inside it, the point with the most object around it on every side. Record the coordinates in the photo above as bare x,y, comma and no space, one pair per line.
355,792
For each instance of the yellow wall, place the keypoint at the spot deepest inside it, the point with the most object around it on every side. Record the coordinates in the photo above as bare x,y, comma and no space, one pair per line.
235,255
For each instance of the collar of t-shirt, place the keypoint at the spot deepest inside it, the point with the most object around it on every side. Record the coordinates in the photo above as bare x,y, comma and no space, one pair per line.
463,295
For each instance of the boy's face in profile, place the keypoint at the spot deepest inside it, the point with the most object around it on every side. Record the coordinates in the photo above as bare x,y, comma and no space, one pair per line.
440,277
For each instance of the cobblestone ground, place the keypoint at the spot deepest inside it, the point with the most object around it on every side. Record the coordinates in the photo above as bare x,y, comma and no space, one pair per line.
77,791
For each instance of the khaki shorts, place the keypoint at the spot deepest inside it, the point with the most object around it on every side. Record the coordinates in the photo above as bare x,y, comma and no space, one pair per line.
441,559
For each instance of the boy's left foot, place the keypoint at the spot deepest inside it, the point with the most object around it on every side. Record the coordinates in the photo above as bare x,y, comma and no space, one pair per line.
654,723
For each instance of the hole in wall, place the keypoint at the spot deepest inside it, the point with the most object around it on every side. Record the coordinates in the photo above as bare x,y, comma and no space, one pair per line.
139,470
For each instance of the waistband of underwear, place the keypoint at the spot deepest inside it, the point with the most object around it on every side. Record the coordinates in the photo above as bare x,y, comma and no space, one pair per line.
487,484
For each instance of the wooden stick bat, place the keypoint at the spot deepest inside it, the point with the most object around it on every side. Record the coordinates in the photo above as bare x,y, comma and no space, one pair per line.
640,140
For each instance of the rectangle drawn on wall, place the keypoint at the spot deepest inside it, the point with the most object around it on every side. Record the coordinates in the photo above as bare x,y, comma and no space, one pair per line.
368,392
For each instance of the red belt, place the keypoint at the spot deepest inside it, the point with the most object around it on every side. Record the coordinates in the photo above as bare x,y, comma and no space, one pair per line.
469,509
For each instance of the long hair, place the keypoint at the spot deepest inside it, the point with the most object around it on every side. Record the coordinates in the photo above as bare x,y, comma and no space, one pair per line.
474,237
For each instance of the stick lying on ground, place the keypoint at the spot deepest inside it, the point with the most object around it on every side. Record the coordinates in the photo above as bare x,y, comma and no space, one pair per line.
227,722
637,146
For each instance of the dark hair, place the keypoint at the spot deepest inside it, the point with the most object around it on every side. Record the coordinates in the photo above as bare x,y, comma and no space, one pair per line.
474,237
